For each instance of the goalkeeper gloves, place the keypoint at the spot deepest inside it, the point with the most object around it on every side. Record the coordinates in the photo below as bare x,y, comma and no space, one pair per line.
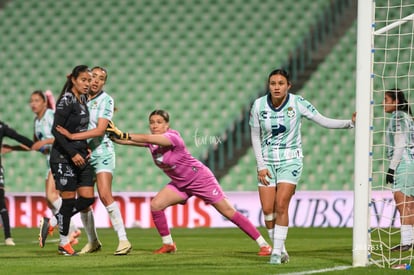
390,176
114,132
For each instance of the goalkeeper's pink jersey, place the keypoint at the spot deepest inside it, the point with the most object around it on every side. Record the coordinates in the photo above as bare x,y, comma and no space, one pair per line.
175,160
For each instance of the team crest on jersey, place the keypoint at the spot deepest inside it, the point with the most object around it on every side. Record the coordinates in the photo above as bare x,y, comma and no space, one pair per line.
291,112
63,181
94,105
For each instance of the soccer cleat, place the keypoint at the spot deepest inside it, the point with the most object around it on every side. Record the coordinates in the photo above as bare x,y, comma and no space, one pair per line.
67,250
265,250
402,247
284,258
74,237
92,247
9,242
124,247
45,230
166,248
275,259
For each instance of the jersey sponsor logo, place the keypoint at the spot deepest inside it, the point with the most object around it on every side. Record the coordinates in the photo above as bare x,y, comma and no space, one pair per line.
68,172
159,161
278,129
270,115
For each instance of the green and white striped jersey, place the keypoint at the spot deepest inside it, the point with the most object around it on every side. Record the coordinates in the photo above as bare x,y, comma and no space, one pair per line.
101,106
280,128
400,125
43,127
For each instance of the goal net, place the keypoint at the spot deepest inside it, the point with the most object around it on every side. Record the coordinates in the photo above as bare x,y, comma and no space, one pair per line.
393,56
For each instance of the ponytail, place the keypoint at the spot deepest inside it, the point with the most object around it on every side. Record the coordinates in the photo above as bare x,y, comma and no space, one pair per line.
75,73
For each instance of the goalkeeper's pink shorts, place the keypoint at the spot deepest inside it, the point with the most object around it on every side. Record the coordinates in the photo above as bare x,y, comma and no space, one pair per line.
205,186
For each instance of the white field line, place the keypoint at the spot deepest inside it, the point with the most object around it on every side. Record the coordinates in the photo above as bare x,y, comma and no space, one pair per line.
319,270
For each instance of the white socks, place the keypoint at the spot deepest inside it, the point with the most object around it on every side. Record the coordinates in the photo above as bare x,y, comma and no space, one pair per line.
271,236
406,234
56,205
280,234
116,220
167,239
88,222
261,241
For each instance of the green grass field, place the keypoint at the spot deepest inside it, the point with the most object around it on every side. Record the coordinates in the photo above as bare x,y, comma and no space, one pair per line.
200,251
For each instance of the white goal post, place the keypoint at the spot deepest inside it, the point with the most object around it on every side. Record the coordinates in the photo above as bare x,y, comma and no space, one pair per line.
362,171
394,42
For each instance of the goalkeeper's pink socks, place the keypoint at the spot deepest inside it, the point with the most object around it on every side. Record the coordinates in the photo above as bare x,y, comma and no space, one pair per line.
160,222
244,224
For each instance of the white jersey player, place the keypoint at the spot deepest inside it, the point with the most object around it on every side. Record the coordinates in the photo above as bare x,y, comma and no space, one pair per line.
275,122
400,152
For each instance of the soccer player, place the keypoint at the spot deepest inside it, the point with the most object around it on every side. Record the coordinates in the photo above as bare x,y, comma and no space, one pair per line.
400,147
43,105
6,131
101,109
69,163
275,121
189,177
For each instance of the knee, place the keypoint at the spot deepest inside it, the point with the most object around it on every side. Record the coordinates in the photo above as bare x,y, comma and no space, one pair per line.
268,208
156,205
83,203
67,207
52,197
86,201
281,208
106,199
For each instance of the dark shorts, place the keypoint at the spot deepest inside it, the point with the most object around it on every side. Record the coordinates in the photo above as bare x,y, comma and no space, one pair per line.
69,177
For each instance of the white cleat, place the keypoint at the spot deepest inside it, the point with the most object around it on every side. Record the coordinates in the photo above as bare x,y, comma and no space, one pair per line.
9,242
124,247
92,247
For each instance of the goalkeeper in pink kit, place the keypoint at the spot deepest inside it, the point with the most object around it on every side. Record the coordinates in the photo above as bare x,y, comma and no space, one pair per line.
189,177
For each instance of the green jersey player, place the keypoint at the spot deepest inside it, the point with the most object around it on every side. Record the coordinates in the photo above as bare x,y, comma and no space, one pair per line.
275,122
400,145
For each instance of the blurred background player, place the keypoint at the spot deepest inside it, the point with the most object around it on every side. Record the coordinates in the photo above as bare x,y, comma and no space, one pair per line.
275,121
43,106
6,131
101,109
400,146
189,177
69,163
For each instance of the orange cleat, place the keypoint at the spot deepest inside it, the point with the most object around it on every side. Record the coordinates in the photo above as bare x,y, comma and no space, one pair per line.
67,250
265,250
166,248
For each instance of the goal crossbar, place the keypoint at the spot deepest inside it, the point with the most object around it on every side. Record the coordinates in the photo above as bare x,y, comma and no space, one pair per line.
395,24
